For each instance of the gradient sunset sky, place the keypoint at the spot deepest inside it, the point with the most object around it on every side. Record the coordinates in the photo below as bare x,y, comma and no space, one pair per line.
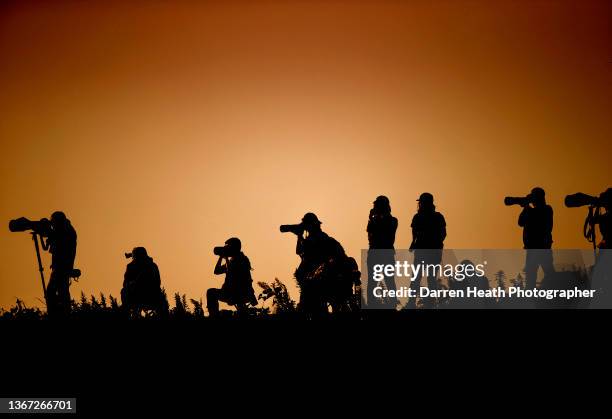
176,125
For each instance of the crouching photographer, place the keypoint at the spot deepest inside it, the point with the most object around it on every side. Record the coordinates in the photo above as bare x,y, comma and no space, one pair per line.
59,238
142,285
237,289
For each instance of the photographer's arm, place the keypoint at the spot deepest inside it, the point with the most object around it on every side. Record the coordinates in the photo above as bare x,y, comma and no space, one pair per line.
220,268
44,243
522,220
415,232
443,230
414,237
299,247
549,220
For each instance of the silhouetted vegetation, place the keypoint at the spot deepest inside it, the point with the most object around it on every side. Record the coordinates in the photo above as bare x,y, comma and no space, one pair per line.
275,302
281,301
102,307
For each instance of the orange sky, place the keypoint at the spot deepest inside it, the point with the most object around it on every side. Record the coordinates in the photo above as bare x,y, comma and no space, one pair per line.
175,125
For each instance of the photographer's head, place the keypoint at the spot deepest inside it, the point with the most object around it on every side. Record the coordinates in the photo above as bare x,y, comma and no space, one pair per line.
311,222
233,246
139,253
58,218
382,205
426,202
537,197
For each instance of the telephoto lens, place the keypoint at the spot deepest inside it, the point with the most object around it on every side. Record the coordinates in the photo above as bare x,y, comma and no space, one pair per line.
514,200
580,200
20,224
291,228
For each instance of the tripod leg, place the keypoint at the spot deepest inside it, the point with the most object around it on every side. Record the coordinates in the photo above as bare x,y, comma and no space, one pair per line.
40,266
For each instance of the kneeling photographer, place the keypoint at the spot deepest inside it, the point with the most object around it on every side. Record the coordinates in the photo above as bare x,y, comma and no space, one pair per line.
58,237
142,285
237,290
536,219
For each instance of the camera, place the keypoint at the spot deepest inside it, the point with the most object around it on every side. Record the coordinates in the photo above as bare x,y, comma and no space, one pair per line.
582,200
129,255
292,228
221,251
523,201
41,227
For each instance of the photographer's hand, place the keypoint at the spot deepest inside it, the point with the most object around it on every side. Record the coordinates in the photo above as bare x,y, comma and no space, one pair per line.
44,243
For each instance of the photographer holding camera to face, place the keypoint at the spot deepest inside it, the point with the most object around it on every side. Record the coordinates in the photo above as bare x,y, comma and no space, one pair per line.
602,272
237,290
313,247
595,204
381,230
58,237
322,275
536,219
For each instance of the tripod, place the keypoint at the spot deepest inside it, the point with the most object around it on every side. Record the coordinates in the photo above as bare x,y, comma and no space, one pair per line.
40,266
589,227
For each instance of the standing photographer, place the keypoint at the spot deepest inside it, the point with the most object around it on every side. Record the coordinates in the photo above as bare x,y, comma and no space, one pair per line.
605,220
537,222
381,229
428,234
602,274
238,286
61,242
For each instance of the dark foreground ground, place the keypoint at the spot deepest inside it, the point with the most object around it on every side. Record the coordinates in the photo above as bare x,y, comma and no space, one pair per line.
277,365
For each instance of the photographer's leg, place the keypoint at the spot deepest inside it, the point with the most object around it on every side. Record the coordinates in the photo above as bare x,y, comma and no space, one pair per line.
212,301
305,305
414,287
51,296
434,259
547,262
64,293
531,269
372,301
389,259
602,280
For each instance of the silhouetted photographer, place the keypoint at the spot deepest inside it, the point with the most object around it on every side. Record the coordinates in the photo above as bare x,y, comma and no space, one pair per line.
58,237
381,229
602,273
142,284
537,222
326,275
237,290
428,234
594,217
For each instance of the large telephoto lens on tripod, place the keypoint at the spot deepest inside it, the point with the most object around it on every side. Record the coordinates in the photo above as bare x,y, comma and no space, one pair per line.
580,200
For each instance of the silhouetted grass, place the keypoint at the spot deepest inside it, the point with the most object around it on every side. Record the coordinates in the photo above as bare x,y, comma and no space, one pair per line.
281,304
